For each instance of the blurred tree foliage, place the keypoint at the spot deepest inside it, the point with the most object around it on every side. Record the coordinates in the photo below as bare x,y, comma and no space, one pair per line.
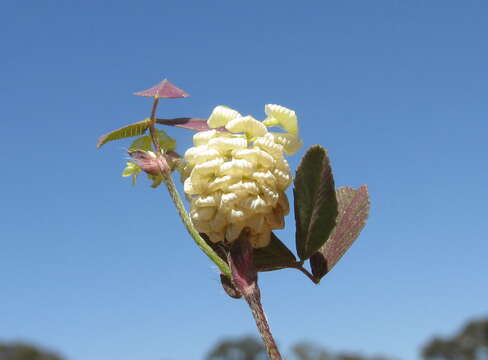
471,343
19,351
246,348
250,348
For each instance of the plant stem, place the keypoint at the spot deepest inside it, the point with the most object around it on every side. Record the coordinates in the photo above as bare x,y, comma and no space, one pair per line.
300,267
152,128
221,264
253,298
175,196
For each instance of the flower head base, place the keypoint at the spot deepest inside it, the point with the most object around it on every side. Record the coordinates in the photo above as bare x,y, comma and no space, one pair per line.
236,179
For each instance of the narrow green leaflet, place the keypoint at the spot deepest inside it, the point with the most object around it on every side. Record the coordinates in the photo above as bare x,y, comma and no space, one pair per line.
131,130
315,202
353,212
275,256
145,143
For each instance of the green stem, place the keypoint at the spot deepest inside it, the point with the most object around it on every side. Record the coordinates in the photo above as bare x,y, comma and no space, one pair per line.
175,196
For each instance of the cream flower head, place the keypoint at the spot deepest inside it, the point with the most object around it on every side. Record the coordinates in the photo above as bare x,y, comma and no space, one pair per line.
236,179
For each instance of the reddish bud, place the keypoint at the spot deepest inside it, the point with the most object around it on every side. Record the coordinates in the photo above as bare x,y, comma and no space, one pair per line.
150,163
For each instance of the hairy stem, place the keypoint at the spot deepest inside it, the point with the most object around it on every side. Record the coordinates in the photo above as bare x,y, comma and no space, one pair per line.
253,298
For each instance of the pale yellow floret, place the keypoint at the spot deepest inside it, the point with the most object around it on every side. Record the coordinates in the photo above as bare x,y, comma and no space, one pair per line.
244,187
256,204
291,144
219,222
202,137
237,167
282,117
228,199
269,194
268,144
207,167
264,177
221,115
248,125
199,154
234,230
220,183
257,156
224,144
203,214
283,179
207,200
236,215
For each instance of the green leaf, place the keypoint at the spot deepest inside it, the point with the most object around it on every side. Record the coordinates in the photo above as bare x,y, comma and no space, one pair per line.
131,130
275,256
353,212
141,144
145,143
315,202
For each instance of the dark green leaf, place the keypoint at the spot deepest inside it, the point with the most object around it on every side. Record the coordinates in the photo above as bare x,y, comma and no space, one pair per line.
353,212
315,202
131,130
275,256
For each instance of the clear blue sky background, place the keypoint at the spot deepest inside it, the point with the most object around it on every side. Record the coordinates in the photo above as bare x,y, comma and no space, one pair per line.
100,270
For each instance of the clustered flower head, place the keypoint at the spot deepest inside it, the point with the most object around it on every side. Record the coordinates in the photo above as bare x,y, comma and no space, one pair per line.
236,174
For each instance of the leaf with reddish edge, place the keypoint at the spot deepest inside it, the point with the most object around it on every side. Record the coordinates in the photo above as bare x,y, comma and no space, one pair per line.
275,256
131,130
164,89
315,202
189,123
353,212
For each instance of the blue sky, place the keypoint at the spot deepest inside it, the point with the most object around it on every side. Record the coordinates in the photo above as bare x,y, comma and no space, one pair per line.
100,270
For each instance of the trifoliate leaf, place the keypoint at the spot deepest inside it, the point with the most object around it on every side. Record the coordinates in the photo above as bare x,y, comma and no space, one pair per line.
353,212
131,130
315,202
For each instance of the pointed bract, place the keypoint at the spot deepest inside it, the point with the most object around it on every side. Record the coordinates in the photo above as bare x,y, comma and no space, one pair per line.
164,89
